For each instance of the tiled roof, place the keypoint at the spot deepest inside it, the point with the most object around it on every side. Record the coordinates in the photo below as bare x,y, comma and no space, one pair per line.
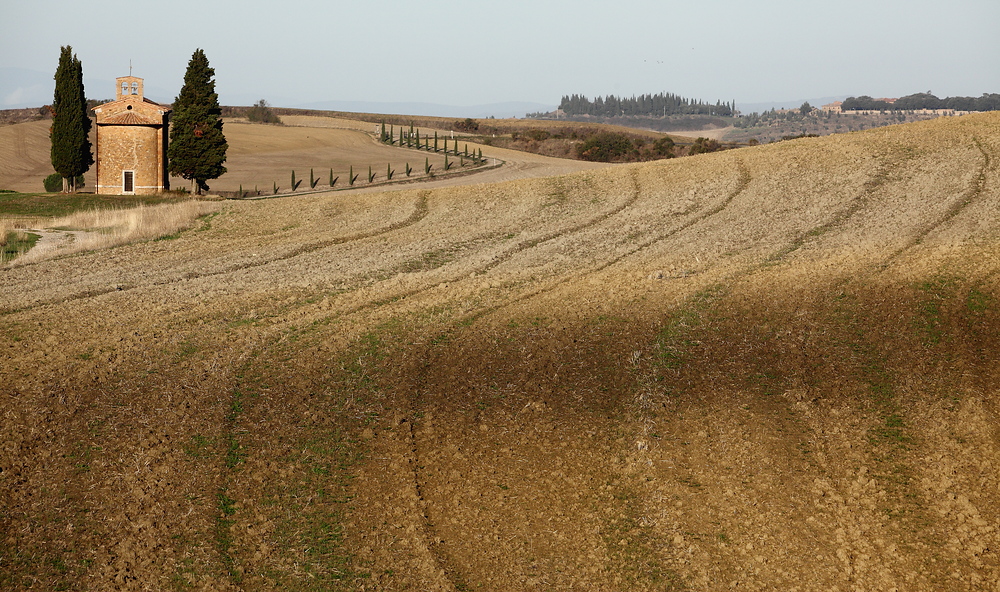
130,118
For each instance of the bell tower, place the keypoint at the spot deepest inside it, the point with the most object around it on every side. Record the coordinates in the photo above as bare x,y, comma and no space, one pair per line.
128,86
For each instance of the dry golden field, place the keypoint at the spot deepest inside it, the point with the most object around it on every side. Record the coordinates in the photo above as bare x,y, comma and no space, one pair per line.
772,368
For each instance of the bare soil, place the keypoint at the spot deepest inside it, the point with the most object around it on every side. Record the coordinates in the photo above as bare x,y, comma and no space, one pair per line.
769,368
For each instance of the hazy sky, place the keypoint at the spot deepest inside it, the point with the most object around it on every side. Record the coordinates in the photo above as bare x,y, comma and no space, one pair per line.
467,52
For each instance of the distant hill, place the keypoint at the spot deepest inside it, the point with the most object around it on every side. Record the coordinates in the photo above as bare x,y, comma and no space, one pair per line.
498,110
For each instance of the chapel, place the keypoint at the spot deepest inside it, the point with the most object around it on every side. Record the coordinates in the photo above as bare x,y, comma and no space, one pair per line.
132,136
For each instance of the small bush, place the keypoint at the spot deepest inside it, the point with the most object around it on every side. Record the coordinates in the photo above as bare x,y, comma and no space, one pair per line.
469,125
606,147
704,146
261,113
537,135
54,183
664,147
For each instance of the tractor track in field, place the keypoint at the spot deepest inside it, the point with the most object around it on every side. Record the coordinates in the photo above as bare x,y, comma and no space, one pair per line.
420,211
495,260
975,190
742,183
419,483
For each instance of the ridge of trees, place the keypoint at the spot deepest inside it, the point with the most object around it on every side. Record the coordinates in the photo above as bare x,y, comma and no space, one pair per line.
914,102
660,104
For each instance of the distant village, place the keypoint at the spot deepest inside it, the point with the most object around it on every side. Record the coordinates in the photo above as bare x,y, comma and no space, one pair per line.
836,107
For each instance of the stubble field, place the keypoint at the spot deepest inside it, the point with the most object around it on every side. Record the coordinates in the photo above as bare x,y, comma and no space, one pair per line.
766,368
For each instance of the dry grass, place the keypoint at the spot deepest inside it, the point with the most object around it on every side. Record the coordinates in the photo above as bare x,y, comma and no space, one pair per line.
101,229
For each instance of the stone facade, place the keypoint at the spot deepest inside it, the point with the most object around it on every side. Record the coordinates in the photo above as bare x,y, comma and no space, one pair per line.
132,136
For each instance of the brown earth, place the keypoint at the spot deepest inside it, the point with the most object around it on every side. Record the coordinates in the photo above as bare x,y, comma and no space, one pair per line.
771,368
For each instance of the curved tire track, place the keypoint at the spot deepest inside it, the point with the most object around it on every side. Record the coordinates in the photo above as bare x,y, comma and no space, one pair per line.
743,181
420,211
970,195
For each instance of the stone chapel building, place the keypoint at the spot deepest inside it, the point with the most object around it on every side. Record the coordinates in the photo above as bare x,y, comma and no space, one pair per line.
131,142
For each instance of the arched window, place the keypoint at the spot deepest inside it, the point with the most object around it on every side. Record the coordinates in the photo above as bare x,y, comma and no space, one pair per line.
135,88
124,88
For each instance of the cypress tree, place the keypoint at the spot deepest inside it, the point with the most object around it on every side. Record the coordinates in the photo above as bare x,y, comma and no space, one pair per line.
197,144
71,151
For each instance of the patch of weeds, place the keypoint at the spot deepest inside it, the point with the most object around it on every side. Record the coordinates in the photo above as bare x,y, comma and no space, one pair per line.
187,348
198,447
16,243
185,574
234,450
81,455
633,546
557,195
443,338
888,438
977,302
96,427
223,534
168,237
310,528
676,340
430,260
936,292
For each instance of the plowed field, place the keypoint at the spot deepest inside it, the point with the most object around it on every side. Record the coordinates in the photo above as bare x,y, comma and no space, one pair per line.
773,368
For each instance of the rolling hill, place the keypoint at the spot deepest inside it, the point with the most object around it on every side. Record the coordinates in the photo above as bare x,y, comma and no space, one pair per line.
766,368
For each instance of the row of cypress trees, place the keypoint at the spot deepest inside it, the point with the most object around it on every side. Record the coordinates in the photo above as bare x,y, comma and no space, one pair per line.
412,139
197,148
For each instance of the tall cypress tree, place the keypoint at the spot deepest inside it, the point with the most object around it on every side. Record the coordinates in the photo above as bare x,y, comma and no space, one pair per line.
197,144
71,150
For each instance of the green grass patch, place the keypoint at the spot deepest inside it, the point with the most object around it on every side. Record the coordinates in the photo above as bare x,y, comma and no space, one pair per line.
935,293
676,339
199,446
223,534
978,302
58,204
633,547
16,243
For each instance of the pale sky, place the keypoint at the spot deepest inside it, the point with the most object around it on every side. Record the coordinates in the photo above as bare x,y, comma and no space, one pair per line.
463,52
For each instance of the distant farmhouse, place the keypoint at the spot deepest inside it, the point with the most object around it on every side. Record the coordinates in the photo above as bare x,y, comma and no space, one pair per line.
837,107
131,142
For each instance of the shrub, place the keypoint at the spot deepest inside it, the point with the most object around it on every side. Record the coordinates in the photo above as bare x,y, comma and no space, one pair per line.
469,125
54,182
261,113
664,147
704,146
537,135
605,147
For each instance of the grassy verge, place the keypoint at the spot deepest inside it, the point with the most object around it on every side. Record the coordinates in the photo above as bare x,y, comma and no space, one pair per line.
14,243
59,204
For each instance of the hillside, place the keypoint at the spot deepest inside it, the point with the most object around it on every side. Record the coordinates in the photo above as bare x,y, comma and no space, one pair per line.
773,368
264,155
